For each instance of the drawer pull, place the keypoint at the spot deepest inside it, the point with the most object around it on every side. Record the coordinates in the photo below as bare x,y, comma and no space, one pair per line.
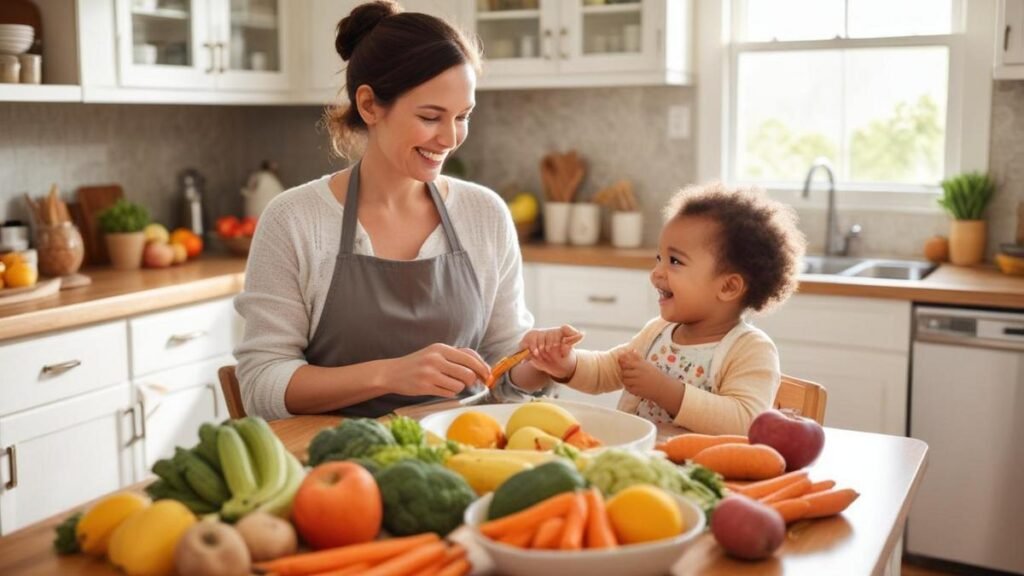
142,417
602,299
178,339
61,367
12,463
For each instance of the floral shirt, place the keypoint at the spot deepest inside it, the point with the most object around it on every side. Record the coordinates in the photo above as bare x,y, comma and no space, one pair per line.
688,364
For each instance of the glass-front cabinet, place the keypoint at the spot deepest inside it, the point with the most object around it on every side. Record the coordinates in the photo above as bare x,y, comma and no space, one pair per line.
223,44
518,35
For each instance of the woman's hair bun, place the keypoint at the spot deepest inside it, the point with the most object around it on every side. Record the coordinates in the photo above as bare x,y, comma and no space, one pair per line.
360,22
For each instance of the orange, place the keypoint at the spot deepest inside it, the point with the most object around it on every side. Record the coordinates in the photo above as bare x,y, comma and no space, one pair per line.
21,275
476,429
10,259
193,246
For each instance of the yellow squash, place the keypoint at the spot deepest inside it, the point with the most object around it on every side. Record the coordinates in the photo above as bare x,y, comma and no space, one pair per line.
143,545
98,523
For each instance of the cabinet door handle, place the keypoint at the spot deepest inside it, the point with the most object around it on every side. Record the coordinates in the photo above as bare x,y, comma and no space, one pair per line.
213,57
141,404
177,339
602,299
61,367
547,44
12,463
1006,38
213,392
563,33
223,56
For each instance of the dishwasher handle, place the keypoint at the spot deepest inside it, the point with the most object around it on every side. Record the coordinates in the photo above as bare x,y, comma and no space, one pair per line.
980,331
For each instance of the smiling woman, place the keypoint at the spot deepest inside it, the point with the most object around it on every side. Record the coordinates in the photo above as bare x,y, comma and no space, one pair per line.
385,284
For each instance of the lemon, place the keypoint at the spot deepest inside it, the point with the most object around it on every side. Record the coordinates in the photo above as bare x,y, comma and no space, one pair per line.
476,429
524,207
20,275
642,513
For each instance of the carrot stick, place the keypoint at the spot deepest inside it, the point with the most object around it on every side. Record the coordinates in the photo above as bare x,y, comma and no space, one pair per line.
452,554
829,502
742,461
409,561
519,539
686,446
599,529
460,567
575,524
351,570
793,509
763,488
822,486
335,558
791,490
548,534
529,518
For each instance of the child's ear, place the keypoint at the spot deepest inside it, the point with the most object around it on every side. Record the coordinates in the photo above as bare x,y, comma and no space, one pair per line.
366,105
732,287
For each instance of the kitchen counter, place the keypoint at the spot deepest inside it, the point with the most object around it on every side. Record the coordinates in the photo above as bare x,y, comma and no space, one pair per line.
966,286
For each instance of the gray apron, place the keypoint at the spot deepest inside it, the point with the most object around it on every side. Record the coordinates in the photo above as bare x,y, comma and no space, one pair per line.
377,308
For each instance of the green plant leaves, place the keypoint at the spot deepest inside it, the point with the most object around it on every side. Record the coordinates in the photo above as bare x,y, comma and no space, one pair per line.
965,196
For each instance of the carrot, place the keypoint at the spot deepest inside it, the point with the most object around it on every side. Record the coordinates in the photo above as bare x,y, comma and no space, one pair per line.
529,518
763,488
686,446
519,539
599,529
735,486
335,558
575,524
548,534
791,490
822,486
792,509
829,502
351,570
451,555
409,561
460,567
742,461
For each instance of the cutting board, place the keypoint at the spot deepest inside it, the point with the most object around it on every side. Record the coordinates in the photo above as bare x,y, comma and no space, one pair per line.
42,289
91,201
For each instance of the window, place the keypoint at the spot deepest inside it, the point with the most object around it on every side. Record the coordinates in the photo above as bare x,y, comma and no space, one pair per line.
864,83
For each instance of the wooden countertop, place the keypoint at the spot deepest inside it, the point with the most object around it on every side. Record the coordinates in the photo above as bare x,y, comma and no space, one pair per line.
967,286
886,472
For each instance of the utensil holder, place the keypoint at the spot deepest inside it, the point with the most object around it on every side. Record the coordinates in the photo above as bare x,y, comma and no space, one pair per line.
60,249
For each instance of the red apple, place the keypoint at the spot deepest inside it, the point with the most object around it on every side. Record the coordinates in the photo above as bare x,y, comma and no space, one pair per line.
157,255
337,504
798,439
746,528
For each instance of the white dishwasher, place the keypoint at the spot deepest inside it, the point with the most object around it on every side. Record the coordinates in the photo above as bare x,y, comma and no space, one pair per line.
967,403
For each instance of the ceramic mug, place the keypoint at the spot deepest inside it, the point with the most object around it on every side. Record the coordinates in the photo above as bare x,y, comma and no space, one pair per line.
585,224
627,229
556,222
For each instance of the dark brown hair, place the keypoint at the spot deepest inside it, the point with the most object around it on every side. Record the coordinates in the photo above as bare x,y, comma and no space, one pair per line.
757,238
392,52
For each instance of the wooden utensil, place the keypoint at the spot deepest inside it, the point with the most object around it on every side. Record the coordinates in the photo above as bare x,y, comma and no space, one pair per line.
91,201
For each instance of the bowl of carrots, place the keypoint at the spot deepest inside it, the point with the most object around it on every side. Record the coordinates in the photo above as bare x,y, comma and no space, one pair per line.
576,547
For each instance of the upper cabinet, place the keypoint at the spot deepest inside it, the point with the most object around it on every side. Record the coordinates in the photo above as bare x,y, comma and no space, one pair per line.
1010,41
569,43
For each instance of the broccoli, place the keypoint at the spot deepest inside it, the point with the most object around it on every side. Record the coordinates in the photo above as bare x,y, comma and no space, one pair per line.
407,432
421,497
66,542
353,438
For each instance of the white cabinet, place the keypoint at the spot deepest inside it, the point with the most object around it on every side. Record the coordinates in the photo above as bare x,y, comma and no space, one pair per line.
857,348
1010,40
570,43
63,454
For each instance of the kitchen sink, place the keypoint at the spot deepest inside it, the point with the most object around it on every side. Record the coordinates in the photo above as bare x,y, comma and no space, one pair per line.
885,269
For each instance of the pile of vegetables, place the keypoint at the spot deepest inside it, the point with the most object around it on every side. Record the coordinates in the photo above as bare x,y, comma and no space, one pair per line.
377,446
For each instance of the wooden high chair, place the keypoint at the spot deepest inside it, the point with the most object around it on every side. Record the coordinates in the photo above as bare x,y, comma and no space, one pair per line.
232,394
806,398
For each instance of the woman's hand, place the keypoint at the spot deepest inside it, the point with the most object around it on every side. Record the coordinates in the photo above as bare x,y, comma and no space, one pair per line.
644,379
437,370
552,350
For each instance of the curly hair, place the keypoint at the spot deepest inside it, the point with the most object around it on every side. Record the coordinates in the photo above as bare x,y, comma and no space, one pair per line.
757,238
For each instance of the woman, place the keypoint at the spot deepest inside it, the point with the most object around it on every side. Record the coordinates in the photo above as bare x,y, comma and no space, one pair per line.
385,284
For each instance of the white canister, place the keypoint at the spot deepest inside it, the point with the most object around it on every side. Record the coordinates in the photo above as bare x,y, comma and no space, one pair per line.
556,222
10,69
526,47
627,229
585,224
258,61
31,68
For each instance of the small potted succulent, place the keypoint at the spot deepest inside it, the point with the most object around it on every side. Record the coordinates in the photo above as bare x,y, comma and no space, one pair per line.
122,225
965,197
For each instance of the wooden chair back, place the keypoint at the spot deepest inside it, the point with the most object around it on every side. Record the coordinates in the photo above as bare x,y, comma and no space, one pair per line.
232,394
803,396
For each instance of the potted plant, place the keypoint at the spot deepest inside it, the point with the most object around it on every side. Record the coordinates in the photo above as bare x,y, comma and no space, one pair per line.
123,225
965,197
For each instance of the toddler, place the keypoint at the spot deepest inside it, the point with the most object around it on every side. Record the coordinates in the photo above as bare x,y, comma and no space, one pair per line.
699,365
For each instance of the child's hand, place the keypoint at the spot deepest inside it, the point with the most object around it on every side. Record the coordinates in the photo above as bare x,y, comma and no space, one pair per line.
644,379
551,350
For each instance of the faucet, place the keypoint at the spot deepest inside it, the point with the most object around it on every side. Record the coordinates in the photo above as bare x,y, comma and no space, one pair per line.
830,225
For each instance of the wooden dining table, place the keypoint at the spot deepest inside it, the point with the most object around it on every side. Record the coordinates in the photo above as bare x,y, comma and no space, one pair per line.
885,470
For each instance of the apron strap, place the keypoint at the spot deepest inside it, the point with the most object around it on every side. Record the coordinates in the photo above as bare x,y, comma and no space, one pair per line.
350,217
446,223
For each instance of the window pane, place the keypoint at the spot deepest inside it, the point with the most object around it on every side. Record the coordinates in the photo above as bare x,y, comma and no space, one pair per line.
879,115
896,114
766,20
876,18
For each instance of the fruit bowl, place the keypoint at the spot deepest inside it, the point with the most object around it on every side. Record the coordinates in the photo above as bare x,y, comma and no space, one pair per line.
612,427
649,558
238,245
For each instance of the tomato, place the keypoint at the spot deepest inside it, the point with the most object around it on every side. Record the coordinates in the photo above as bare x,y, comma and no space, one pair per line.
338,503
193,245
248,226
228,227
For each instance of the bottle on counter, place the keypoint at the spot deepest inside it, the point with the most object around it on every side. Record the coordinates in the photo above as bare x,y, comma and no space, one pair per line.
191,183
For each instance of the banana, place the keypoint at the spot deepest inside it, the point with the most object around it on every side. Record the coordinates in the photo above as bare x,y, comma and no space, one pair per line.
238,472
281,503
485,474
529,456
267,454
553,419
531,438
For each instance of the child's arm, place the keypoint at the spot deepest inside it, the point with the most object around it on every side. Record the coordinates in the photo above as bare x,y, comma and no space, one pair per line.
645,380
749,378
599,372
551,354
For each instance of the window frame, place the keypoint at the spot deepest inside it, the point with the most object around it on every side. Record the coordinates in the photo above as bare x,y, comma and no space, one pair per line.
968,108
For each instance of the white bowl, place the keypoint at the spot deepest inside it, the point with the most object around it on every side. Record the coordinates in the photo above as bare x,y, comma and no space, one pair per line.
19,29
612,427
650,558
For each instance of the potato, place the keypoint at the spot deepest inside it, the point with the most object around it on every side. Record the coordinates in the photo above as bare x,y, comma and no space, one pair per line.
267,536
746,528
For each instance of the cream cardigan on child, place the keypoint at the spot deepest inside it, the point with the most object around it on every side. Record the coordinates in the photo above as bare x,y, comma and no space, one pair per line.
744,369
